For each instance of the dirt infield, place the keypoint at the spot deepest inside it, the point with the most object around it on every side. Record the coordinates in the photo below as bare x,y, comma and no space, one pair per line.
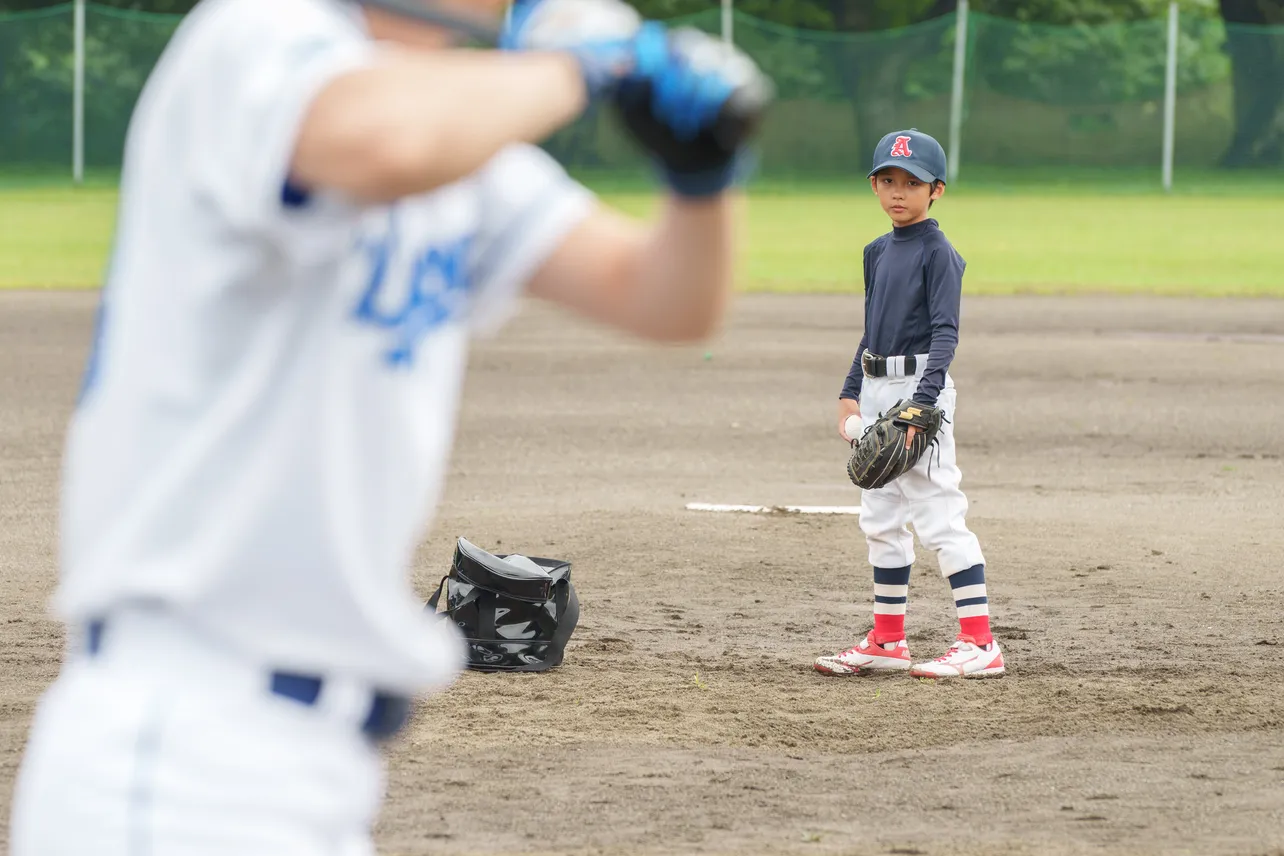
1124,463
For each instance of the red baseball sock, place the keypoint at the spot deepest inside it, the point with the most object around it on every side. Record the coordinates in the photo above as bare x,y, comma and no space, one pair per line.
972,603
891,592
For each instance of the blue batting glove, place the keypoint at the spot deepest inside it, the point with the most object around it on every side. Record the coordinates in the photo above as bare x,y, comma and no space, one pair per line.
600,34
692,82
693,102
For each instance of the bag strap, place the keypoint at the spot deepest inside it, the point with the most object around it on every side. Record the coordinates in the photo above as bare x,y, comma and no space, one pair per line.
436,596
568,616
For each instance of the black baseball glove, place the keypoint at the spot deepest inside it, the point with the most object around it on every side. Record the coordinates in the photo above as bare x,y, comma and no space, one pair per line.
882,455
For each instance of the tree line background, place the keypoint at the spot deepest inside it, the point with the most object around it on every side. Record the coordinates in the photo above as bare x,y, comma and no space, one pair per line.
1095,63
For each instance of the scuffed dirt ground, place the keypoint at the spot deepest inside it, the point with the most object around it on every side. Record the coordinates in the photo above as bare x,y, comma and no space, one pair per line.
1123,460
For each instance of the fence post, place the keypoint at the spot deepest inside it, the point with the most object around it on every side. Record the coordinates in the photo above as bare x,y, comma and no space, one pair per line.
78,94
956,95
728,22
1170,96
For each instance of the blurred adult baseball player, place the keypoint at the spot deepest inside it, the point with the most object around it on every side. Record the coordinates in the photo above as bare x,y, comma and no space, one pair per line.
321,201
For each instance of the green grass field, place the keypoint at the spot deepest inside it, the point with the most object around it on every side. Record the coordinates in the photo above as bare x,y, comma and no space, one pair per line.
1031,238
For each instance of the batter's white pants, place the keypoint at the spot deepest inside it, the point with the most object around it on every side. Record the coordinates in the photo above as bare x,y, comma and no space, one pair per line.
162,745
927,497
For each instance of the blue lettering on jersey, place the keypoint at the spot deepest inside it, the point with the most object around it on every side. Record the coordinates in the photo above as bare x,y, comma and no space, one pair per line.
410,301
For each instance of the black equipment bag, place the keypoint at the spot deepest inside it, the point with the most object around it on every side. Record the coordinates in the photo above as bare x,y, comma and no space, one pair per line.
512,619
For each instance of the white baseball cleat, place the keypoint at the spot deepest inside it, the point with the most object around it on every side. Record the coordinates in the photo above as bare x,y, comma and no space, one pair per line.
965,659
867,656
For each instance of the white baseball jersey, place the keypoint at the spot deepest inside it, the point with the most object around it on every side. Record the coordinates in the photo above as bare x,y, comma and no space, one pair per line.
268,413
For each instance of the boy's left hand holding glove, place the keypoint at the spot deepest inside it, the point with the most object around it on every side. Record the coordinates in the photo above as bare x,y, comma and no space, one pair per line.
690,100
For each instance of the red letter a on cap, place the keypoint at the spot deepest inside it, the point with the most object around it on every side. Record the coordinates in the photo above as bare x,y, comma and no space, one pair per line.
901,148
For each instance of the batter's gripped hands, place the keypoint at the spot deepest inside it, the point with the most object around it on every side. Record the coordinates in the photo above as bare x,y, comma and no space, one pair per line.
847,408
602,35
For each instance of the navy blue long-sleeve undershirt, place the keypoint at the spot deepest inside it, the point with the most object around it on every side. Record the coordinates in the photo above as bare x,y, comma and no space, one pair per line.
913,288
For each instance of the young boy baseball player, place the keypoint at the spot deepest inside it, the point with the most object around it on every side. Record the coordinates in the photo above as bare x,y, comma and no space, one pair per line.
321,201
913,285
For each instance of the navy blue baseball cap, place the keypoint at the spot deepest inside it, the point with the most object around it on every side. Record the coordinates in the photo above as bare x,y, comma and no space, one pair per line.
913,151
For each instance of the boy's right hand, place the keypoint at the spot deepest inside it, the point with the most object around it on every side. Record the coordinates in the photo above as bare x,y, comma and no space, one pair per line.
847,407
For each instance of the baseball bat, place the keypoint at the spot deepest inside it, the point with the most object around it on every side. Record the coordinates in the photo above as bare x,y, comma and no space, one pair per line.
737,120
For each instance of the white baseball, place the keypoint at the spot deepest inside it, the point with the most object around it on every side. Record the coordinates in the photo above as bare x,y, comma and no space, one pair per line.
852,427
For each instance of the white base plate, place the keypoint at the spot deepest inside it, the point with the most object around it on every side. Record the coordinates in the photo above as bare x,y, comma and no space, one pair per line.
775,509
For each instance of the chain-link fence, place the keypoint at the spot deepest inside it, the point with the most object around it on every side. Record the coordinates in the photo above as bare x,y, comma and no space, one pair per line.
1019,95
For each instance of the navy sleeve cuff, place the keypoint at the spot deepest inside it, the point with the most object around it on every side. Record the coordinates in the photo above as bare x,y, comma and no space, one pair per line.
855,377
927,393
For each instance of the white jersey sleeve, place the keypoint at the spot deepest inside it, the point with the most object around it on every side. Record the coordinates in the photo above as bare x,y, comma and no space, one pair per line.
268,61
529,206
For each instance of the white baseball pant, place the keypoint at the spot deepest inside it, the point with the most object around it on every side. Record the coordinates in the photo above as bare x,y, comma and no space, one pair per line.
165,745
927,497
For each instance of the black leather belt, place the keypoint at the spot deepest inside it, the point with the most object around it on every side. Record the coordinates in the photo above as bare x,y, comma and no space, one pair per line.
386,716
876,366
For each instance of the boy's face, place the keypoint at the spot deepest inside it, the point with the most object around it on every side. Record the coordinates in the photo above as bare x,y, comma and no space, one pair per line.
904,197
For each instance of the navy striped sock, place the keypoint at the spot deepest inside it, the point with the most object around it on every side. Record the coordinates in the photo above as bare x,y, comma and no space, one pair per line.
972,603
891,593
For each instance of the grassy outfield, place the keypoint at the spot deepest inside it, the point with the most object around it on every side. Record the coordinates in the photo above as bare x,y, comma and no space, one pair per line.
1037,239
55,237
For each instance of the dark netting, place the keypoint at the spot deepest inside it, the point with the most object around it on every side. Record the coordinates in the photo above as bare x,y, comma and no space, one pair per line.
1094,96
36,72
839,94
1034,95
1063,96
1236,120
1205,91
124,47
